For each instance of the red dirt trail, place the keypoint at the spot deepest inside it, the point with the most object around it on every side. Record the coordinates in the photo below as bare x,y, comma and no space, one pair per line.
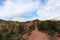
37,35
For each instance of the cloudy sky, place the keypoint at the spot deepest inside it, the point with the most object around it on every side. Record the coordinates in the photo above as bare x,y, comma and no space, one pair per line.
24,10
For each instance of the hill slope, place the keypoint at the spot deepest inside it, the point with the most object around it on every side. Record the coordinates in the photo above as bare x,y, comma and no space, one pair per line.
30,30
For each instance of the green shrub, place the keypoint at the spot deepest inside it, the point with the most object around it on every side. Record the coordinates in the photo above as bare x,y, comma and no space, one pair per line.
0,35
21,29
40,26
30,29
7,36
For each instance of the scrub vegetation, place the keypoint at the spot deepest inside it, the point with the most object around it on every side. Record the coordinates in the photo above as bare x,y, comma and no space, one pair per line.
14,30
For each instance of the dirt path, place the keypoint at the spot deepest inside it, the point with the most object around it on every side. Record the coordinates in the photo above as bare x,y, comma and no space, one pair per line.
57,38
37,35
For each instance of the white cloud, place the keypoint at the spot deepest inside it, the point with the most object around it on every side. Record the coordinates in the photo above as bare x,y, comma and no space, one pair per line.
13,8
51,9
33,18
18,19
22,19
16,8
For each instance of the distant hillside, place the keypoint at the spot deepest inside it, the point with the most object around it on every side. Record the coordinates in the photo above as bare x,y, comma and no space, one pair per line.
14,30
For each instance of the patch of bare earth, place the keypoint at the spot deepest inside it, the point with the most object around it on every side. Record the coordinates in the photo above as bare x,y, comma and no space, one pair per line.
57,36
37,35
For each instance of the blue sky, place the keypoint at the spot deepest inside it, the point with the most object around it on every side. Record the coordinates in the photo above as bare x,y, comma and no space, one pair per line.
2,2
24,10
